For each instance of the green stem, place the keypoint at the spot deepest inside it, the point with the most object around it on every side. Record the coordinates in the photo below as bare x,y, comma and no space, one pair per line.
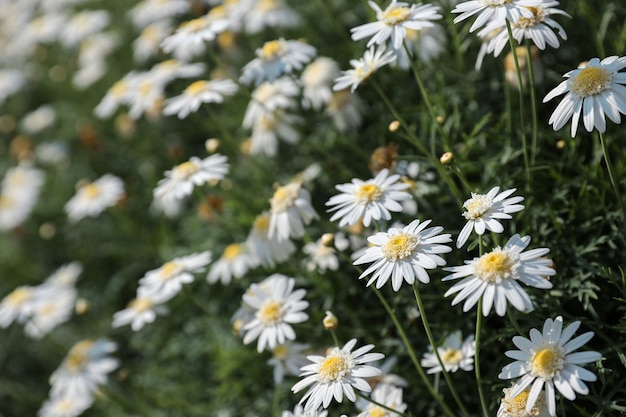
381,405
276,401
431,340
533,103
514,321
479,381
412,355
609,168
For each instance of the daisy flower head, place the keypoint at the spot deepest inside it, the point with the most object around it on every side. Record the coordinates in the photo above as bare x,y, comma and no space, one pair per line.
52,306
190,38
291,210
404,254
321,256
337,374
267,251
170,277
93,198
494,276
66,406
197,93
317,79
287,359
17,305
369,200
276,307
141,310
393,22
516,406
363,68
455,353
494,10
235,261
385,394
180,181
269,97
276,58
593,90
483,212
547,361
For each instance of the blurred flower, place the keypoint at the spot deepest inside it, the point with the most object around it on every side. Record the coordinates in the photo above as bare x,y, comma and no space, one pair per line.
269,97
189,39
547,360
336,375
269,128
19,192
199,92
317,79
16,306
345,110
320,256
404,254
235,261
260,14
148,43
66,406
483,212
387,377
363,68
369,200
494,276
180,181
429,43
276,58
276,306
494,10
147,12
394,21
287,359
83,24
66,275
92,58
299,411
516,406
595,90
39,119
510,72
11,82
455,354
291,210
385,394
141,310
93,198
168,279
268,251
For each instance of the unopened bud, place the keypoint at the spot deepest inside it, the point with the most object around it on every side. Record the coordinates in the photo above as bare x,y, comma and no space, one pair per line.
82,306
447,158
393,126
330,322
328,239
212,145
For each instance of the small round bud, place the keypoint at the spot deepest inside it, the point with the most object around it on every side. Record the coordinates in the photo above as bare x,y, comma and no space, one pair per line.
447,158
440,119
82,306
330,322
560,144
328,239
47,230
211,145
393,126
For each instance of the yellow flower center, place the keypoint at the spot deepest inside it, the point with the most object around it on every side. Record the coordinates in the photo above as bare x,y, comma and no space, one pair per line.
527,22
78,357
591,81
91,191
516,406
280,352
452,356
340,100
195,25
400,246
185,170
266,5
335,367
271,312
271,50
19,296
377,412
477,206
284,197
141,304
547,362
396,15
232,251
169,270
196,88
368,193
65,405
262,223
496,3
6,202
495,266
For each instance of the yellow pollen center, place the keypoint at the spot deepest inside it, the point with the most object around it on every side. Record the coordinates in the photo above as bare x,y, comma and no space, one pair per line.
262,223
271,312
477,206
168,270
378,412
78,356
232,251
452,356
591,81
266,5
368,192
334,368
119,88
141,304
194,25
185,170
271,50
547,362
396,15
497,3
280,352
91,191
284,197
196,88
495,266
19,296
400,246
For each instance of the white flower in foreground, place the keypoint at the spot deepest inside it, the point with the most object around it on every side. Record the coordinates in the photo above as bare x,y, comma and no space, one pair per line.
291,211
369,200
547,361
394,21
93,198
199,92
455,354
276,307
494,276
593,91
363,68
287,359
235,261
404,254
385,394
516,406
494,10
483,212
180,181
336,375
168,279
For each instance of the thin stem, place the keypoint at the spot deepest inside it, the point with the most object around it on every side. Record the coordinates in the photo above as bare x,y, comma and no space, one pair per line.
514,321
381,405
533,103
431,340
412,355
609,168
479,381
276,401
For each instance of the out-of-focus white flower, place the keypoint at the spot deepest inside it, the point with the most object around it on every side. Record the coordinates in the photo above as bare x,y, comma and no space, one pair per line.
291,210
93,198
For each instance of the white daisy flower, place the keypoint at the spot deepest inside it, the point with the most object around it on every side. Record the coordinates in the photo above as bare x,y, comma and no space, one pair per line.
299,411
169,278
495,275
494,10
455,353
66,406
291,210
547,360
83,24
427,43
66,275
197,93
516,406
268,251
483,212
84,369
147,44
235,261
321,256
260,14
276,58
385,394
268,97
593,90
190,38
19,192
271,127
363,68
93,198
149,11
317,79
180,181
16,306
336,375
171,69
404,254
118,94
140,311
276,306
287,359
52,306
369,200
394,21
